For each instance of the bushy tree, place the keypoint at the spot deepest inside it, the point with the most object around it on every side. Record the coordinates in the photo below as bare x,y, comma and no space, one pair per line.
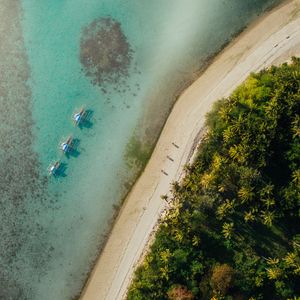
222,278
180,292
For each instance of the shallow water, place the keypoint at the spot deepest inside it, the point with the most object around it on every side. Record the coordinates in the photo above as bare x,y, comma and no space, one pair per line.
52,228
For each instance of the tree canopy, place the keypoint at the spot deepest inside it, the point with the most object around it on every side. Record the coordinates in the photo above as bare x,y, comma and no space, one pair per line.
232,231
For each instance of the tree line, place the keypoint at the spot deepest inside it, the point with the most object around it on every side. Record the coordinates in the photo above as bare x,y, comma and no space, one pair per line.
232,231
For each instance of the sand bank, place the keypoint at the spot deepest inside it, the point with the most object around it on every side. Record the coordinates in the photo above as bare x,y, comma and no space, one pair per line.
273,39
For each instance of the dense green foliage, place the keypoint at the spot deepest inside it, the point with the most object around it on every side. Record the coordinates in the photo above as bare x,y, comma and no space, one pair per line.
232,231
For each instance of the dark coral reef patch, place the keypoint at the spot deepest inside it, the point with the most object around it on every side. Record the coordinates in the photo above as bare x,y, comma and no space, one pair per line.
105,52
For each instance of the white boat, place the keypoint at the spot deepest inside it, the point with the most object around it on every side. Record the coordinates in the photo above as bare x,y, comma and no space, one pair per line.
53,168
67,145
79,116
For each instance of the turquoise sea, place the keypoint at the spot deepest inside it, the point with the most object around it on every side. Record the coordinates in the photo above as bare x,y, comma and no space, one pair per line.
123,60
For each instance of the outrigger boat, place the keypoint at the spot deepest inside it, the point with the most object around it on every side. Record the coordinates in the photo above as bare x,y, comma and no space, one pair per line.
79,117
67,145
53,168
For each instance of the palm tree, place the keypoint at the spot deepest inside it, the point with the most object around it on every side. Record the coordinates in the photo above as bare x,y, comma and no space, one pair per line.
195,240
227,230
164,272
234,152
272,261
178,234
239,123
296,177
246,194
225,208
269,202
274,273
216,163
228,134
267,191
238,153
207,180
224,113
268,217
249,216
296,127
221,188
290,259
165,255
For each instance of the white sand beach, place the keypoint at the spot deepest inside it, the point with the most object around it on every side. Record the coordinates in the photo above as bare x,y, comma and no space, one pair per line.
272,39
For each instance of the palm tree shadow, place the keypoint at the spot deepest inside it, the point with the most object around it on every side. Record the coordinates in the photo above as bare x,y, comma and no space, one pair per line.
86,121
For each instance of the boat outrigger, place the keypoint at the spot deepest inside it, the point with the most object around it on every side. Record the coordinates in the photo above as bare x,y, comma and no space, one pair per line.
79,117
66,146
54,168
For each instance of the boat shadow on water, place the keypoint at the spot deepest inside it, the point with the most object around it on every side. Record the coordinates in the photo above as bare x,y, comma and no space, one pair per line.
86,121
73,151
60,170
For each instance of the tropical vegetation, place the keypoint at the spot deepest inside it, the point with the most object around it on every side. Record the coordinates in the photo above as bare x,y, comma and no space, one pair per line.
232,230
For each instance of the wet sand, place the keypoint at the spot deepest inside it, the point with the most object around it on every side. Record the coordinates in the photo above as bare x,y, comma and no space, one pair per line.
272,39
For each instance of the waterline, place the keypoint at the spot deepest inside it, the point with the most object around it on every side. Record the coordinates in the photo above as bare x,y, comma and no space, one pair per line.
59,238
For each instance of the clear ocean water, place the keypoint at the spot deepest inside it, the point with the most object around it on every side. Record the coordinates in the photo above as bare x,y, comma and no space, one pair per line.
52,228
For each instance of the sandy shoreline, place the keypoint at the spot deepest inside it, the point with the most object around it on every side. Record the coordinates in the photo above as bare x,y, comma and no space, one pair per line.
272,39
